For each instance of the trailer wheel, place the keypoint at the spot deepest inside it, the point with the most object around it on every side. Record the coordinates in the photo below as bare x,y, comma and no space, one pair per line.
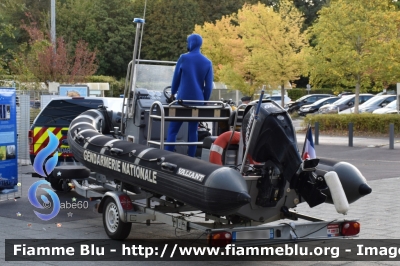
57,185
115,228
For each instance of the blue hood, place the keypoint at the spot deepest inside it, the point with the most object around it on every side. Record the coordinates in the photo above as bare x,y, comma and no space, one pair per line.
194,42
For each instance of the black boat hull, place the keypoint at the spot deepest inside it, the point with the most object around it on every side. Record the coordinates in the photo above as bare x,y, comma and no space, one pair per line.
208,187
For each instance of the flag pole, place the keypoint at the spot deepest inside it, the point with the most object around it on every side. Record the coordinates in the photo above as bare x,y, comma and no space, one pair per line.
305,140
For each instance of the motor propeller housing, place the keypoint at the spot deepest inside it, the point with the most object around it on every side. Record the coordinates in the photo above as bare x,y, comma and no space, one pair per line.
274,138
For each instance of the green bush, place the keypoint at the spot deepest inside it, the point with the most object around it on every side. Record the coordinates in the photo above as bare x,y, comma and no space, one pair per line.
33,113
374,123
8,77
116,86
106,79
295,94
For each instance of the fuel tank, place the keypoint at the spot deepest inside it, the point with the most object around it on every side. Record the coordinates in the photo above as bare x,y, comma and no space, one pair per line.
203,185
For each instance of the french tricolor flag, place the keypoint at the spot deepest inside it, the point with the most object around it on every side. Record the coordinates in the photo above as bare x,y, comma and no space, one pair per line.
308,149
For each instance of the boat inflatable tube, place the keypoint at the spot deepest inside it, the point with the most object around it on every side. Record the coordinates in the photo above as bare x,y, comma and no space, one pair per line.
203,185
354,183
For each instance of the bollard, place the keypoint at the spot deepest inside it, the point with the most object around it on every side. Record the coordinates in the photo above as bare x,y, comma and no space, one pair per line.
316,141
391,136
350,134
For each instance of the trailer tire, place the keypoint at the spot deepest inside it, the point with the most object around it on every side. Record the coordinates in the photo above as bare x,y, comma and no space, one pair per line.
115,228
57,185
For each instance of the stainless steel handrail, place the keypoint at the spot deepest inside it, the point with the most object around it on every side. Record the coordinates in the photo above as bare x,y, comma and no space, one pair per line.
158,105
216,103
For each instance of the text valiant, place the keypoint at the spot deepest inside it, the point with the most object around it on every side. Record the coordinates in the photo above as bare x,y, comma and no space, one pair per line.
121,166
190,174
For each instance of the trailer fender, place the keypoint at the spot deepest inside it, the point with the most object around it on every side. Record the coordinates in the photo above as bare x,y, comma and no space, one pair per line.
115,195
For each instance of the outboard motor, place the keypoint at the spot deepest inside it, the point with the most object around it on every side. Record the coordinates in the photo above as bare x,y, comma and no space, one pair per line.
274,138
273,147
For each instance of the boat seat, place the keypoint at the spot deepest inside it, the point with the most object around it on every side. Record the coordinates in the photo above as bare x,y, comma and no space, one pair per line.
238,115
208,141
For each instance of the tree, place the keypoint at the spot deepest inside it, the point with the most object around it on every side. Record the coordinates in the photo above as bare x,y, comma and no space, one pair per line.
214,10
356,44
39,60
5,29
167,26
257,46
224,47
276,41
13,12
107,25
310,9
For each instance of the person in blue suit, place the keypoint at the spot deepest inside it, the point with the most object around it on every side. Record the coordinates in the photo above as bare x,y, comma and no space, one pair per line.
192,80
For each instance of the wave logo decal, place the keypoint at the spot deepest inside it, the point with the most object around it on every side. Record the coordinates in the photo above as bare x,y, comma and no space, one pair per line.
40,162
43,167
46,204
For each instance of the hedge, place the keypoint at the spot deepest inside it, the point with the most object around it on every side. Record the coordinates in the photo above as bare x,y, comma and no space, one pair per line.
116,86
366,122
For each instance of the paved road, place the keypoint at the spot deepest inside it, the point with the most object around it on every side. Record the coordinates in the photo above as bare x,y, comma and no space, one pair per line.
371,156
378,212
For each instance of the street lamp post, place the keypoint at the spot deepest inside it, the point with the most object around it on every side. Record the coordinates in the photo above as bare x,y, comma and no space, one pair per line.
308,88
53,24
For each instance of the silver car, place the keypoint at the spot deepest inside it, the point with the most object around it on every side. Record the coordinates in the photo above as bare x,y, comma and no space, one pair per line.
372,104
278,99
347,101
387,109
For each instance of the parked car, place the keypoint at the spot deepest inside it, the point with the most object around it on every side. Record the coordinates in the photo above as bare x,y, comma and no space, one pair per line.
56,117
306,99
372,104
387,109
312,108
278,99
393,112
344,103
35,104
390,92
345,93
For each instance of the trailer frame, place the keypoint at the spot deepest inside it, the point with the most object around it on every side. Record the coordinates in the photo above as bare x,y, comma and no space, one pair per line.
147,209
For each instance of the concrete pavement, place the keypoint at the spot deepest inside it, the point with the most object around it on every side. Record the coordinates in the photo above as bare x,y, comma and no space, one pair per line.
357,141
344,140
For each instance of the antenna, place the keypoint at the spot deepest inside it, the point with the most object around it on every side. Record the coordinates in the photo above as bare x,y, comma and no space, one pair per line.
139,22
130,82
141,36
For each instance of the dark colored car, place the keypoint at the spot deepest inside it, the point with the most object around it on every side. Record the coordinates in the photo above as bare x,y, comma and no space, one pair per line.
312,108
306,99
56,117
